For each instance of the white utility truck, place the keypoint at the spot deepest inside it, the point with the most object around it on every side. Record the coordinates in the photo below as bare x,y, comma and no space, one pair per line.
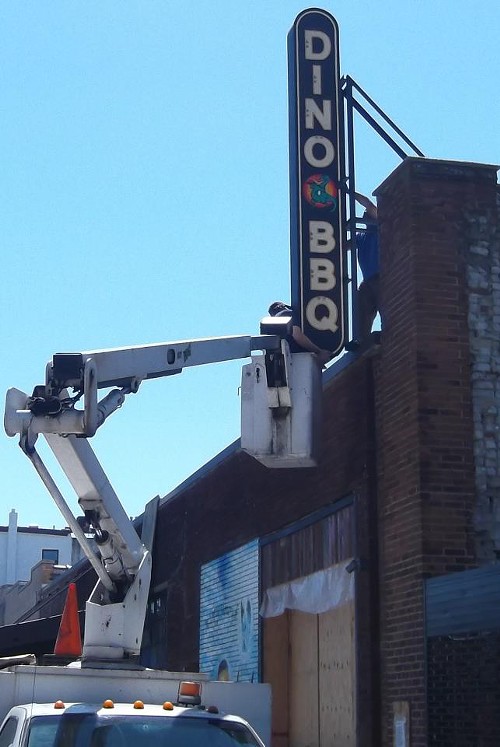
107,699
120,708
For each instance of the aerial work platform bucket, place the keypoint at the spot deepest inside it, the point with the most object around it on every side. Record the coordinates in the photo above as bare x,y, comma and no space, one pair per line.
280,424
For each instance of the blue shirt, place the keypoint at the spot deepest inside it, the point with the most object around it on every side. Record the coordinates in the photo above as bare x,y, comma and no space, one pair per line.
367,243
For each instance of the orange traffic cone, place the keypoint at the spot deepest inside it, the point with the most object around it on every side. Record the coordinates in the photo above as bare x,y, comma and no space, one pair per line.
69,641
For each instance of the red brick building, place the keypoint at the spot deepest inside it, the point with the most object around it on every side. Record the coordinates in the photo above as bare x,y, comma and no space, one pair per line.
406,433
402,514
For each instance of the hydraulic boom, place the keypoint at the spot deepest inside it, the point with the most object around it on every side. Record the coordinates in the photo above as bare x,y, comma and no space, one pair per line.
115,612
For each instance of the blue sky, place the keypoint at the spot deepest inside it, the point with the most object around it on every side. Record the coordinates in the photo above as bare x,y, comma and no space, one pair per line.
144,190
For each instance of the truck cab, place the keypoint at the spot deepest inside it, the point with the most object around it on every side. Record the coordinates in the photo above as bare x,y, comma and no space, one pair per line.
112,724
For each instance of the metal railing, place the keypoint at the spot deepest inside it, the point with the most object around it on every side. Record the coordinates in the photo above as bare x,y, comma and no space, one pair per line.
357,100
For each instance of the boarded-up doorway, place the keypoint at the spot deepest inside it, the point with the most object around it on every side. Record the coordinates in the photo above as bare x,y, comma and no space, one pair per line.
309,660
308,641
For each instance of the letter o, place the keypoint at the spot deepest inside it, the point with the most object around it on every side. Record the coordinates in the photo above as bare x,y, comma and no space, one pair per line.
329,151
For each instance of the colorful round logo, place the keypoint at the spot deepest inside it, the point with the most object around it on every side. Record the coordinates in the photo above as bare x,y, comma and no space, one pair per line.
320,191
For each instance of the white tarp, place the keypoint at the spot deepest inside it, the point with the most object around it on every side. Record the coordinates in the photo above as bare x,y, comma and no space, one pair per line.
321,591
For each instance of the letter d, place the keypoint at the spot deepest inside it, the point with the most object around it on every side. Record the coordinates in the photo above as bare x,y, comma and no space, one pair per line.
326,43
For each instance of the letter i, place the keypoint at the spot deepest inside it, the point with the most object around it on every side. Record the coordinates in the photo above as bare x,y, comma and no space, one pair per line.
317,84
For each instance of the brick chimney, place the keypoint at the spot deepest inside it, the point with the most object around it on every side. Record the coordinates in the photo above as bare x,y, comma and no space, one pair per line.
424,407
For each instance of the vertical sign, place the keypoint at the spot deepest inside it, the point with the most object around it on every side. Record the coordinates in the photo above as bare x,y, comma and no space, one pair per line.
316,170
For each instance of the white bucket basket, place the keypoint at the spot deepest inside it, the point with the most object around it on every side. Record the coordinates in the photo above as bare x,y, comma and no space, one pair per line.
280,425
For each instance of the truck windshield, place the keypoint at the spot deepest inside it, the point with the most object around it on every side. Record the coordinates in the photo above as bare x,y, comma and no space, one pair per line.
91,730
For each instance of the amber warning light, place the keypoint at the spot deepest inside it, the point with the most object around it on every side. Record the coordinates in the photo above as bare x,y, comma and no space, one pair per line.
189,693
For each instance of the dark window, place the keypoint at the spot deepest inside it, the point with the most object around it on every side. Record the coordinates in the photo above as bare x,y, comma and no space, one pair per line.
50,555
82,730
154,639
8,732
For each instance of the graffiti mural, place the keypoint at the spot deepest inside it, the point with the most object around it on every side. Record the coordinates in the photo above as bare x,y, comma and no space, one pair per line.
229,619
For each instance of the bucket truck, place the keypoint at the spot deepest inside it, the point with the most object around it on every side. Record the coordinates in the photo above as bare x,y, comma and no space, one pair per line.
280,395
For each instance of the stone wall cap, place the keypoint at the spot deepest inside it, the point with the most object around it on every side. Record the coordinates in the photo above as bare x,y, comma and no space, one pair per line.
437,167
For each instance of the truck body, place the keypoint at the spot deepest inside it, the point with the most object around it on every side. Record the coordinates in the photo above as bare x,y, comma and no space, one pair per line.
78,690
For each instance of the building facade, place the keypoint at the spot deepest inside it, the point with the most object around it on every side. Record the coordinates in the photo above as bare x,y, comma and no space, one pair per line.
365,590
406,498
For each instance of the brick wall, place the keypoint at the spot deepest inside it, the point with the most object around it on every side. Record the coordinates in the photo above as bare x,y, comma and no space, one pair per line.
482,257
423,408
464,690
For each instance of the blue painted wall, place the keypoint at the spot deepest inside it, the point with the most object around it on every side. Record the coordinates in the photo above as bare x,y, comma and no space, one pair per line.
229,615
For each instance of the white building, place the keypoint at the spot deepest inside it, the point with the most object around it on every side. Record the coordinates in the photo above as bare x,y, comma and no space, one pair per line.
21,548
30,558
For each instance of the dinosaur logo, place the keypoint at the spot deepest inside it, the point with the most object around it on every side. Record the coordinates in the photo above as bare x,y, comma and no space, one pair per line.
320,191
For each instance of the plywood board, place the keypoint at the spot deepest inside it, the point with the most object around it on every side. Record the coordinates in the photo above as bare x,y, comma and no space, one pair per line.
303,692
275,672
337,677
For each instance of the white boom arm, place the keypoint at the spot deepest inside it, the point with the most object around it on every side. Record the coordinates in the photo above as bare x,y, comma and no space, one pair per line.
116,610
122,367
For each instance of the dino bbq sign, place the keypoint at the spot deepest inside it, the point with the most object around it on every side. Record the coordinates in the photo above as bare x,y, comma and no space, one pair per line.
316,170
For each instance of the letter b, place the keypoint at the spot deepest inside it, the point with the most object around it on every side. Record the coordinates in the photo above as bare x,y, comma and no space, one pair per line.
322,274
321,238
